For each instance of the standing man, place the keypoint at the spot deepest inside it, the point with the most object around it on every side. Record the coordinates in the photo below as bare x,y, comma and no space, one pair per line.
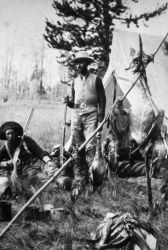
88,101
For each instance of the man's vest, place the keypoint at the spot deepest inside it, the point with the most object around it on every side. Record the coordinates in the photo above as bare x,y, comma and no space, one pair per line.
85,90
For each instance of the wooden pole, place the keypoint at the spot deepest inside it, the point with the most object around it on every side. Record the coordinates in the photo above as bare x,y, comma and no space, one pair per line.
148,180
63,135
34,197
67,162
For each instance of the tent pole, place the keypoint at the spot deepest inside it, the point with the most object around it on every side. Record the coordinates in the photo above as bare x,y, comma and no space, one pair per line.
125,95
70,159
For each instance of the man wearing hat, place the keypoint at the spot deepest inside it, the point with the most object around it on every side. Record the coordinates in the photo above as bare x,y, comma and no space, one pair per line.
29,153
88,101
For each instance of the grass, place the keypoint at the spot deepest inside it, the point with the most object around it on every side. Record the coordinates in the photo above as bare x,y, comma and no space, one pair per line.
46,123
73,230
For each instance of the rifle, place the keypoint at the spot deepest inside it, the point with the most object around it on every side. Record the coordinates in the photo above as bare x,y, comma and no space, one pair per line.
63,136
46,184
15,159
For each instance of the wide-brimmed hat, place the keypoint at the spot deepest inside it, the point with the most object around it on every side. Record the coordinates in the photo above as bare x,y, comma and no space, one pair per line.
10,125
82,55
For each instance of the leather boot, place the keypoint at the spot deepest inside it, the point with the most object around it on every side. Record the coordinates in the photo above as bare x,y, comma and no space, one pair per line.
78,181
79,168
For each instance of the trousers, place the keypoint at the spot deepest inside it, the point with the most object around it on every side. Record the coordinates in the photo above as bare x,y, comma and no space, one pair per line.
85,124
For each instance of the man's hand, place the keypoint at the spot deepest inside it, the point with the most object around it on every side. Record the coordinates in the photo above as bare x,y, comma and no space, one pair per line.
7,164
66,99
51,168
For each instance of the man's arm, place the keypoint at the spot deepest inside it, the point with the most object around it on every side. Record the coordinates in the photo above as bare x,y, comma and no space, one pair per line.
101,99
37,151
34,148
4,158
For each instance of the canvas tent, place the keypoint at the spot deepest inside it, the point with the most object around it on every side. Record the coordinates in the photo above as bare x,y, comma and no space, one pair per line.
125,47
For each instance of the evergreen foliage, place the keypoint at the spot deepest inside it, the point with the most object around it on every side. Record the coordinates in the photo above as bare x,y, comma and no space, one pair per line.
89,25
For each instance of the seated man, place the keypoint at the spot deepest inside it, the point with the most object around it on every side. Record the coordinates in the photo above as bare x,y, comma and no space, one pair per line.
27,168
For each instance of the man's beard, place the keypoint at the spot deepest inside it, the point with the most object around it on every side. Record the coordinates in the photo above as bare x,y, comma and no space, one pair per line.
13,144
82,70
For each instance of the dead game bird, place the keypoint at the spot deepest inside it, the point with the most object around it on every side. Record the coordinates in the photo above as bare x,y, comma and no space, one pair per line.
97,169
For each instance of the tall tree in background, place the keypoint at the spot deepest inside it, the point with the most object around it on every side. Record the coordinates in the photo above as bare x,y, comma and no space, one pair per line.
89,24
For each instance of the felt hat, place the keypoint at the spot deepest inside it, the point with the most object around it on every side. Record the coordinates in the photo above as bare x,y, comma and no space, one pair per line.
10,125
82,55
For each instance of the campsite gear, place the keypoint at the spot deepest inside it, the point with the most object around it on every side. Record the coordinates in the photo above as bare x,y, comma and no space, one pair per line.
66,163
50,180
14,176
97,169
32,212
5,210
59,214
123,231
48,207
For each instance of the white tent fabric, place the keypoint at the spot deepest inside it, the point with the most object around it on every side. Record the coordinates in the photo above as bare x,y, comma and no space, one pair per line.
124,48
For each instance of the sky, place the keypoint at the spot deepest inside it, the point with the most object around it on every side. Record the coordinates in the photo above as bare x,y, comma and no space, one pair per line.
22,24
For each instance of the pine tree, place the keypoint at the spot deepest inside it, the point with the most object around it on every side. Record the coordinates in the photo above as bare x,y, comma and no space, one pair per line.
89,25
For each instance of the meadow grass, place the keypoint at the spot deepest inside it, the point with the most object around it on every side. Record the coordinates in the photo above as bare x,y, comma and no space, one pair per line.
46,125
73,230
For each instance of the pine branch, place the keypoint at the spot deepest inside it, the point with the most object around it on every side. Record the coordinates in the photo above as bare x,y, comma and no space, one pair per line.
88,24
145,16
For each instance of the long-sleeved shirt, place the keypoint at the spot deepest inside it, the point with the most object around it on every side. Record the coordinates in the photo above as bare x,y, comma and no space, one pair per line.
29,149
